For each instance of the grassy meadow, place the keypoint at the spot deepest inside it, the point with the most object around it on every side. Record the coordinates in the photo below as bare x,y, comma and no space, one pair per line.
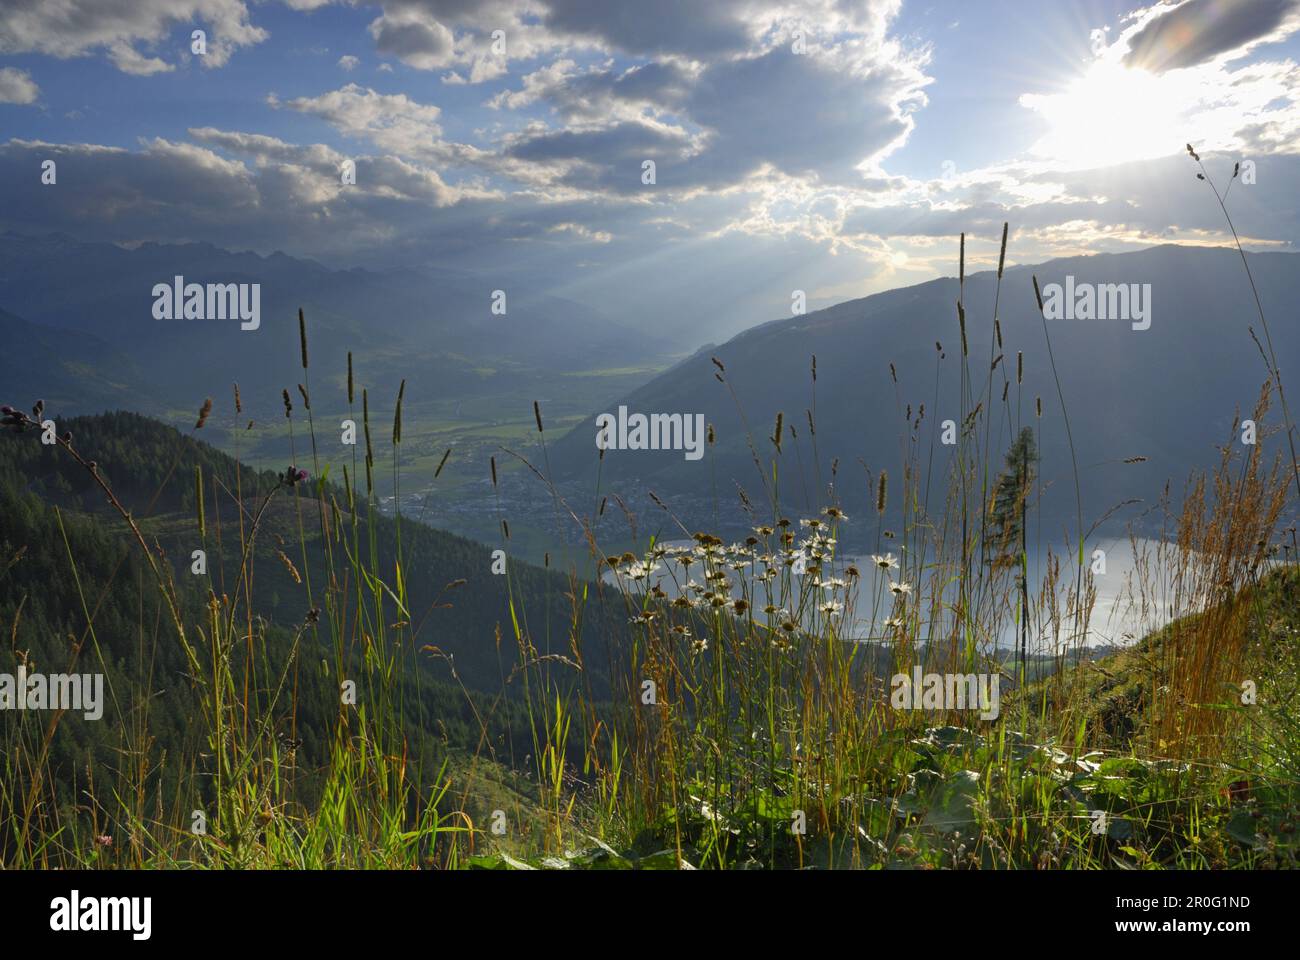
733,724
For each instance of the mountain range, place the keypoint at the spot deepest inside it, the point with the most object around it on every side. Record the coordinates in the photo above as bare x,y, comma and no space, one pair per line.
435,328
1145,407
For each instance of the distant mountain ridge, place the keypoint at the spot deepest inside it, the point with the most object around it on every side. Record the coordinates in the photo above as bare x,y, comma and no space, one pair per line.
433,326
1167,394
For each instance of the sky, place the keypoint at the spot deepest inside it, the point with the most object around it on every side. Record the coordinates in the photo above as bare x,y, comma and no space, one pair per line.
828,146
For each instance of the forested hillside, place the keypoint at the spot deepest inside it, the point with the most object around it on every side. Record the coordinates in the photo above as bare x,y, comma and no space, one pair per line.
77,595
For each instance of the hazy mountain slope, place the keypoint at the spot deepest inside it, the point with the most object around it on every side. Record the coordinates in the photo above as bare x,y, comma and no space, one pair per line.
1168,393
433,326
63,368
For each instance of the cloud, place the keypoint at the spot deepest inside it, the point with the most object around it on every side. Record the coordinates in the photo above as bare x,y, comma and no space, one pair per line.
393,122
825,115
349,62
604,159
119,28
582,232
388,176
149,190
130,60
1198,31
245,190
1112,113
753,107
804,115
437,34
421,42
17,86
601,93
264,194
706,29
264,149
783,160
716,30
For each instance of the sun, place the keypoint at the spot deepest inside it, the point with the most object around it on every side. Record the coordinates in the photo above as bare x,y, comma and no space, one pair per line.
1112,114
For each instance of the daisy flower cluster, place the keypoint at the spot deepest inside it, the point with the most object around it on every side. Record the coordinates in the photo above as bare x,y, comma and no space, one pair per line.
758,575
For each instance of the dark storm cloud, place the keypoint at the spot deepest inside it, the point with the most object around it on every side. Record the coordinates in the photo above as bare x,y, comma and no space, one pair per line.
803,116
1200,30
290,200
414,41
666,26
798,113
